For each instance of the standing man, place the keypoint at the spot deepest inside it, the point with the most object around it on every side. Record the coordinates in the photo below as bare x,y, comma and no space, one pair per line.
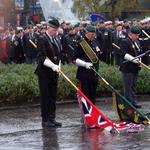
130,69
30,50
49,54
117,36
86,56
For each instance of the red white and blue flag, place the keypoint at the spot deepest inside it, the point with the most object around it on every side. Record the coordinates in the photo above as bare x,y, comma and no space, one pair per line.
94,118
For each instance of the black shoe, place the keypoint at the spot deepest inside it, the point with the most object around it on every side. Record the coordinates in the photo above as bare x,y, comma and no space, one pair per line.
136,105
57,124
48,124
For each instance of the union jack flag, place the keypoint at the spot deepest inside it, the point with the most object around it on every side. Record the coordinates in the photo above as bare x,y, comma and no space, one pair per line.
94,118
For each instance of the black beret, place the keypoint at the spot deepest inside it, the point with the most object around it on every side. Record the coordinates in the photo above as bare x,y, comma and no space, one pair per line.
135,29
54,23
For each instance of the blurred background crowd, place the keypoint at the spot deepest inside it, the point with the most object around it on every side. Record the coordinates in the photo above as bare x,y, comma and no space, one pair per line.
21,23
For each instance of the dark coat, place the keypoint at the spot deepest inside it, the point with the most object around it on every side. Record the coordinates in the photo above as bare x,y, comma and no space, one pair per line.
46,48
128,46
30,50
82,72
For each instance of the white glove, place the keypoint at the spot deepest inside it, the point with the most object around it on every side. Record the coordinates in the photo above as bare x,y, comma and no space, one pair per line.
88,65
56,68
50,64
82,63
130,58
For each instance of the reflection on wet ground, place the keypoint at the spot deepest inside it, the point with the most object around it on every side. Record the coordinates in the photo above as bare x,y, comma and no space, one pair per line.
20,129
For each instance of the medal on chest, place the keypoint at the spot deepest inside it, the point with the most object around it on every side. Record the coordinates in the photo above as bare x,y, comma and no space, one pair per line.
133,46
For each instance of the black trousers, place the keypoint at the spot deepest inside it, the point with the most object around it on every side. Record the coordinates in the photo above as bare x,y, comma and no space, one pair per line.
88,87
48,91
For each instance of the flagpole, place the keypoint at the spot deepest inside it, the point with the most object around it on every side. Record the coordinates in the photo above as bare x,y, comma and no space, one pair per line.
115,128
142,65
72,84
113,89
79,91
146,34
33,44
139,56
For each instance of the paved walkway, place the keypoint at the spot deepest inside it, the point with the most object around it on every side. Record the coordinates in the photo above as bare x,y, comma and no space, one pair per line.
20,129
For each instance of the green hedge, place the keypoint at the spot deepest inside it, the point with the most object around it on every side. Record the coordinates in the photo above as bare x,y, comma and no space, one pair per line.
18,83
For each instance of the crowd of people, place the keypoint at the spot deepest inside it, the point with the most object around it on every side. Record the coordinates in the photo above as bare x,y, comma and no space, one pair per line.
83,44
17,44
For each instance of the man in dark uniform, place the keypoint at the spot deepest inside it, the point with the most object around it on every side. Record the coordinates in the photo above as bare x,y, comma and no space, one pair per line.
117,36
86,76
18,48
30,50
107,35
49,54
130,69
71,40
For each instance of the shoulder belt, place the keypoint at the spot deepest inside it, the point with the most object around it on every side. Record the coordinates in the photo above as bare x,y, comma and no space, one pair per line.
89,51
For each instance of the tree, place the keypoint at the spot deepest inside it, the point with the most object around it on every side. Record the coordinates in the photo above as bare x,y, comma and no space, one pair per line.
115,7
84,7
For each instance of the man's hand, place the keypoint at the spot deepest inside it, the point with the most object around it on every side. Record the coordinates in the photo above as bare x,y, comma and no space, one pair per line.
56,68
131,58
88,65
50,64
82,63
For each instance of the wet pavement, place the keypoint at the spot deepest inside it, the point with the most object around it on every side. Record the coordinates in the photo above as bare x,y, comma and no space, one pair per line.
20,129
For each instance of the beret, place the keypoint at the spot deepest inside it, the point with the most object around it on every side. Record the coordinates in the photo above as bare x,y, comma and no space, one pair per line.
101,21
90,28
135,29
54,23
71,27
77,25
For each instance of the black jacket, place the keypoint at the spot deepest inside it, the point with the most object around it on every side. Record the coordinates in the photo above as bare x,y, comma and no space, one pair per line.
128,46
82,72
47,48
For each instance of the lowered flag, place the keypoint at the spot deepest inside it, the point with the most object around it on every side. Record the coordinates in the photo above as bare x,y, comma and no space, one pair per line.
128,112
94,118
125,110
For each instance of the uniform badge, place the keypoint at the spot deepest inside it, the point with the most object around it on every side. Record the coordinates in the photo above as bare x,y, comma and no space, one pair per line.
55,58
97,49
133,46
16,43
105,33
